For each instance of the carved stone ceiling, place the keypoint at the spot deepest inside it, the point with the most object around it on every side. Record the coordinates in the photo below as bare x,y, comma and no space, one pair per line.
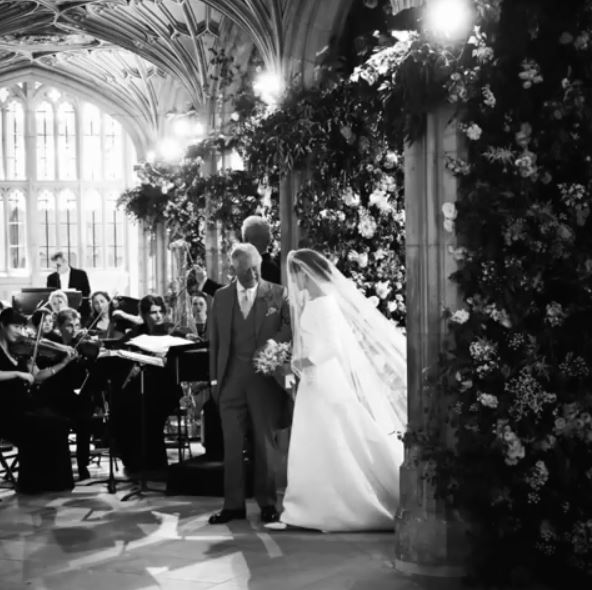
135,50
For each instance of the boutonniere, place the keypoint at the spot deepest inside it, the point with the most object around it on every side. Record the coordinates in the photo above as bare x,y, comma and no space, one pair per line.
271,311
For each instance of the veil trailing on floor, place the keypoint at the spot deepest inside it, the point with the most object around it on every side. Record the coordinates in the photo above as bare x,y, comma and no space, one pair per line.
370,349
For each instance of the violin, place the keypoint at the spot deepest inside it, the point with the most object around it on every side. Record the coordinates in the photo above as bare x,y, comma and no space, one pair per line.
24,347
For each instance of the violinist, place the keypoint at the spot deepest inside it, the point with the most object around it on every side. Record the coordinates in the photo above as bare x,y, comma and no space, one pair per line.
59,391
40,435
99,320
161,396
47,323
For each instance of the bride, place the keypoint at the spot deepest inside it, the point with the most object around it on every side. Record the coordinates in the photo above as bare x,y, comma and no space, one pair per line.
350,405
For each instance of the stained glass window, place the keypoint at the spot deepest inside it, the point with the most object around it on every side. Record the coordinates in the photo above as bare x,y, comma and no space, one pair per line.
113,148
68,225
46,206
94,234
17,222
66,142
45,141
91,143
15,141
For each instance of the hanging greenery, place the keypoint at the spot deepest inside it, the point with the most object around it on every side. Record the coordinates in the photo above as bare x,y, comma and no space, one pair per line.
517,366
180,198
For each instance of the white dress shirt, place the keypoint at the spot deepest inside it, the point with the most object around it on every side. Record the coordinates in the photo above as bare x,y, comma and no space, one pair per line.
246,298
64,279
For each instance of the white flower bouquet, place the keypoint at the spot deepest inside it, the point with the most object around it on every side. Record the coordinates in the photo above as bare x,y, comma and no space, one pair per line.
273,360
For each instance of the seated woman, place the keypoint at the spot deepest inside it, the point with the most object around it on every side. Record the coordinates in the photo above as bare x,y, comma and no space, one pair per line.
99,317
200,304
157,401
40,435
46,320
58,300
58,392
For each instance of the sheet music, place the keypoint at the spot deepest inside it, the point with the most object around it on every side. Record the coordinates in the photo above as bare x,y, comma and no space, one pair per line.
158,344
135,357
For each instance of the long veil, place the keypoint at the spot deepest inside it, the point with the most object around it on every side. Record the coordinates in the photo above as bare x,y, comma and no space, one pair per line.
372,351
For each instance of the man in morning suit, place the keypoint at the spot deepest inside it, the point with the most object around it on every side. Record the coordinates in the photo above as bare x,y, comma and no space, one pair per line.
245,314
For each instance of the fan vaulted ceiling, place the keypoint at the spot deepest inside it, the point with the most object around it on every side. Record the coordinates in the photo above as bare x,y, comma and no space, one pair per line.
147,56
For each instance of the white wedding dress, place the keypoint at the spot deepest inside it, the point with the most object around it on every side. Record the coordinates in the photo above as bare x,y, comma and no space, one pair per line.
344,455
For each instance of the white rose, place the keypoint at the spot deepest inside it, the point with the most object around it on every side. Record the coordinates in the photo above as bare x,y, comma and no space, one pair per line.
353,256
363,259
392,306
449,225
473,132
460,316
374,300
382,289
449,210
488,400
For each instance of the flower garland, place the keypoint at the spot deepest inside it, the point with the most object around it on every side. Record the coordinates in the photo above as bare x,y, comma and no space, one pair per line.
517,369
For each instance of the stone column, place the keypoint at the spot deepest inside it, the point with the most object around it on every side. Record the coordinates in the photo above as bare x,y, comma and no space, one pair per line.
429,539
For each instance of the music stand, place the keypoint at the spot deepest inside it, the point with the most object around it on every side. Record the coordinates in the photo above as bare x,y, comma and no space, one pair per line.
190,363
111,480
142,487
30,298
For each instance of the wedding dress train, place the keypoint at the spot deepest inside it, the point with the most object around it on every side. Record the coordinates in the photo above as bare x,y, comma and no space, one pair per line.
344,452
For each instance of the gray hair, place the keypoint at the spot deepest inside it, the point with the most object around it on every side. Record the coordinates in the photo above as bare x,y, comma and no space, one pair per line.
256,227
243,250
55,294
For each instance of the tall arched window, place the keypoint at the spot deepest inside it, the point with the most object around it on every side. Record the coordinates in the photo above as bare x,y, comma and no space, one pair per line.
79,155
47,217
114,223
45,141
91,143
113,149
93,215
15,141
66,142
68,225
17,223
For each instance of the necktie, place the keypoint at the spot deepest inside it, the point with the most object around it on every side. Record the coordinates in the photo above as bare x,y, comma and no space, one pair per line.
245,304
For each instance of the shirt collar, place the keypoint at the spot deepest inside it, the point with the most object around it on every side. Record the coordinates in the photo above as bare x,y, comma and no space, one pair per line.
242,289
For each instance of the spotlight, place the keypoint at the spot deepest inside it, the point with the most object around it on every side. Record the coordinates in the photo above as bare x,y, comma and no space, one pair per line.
199,129
448,19
170,150
150,156
180,127
269,87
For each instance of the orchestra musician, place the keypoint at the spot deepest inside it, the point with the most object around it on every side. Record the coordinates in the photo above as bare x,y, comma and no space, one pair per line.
99,315
67,277
58,300
58,392
40,435
161,396
200,305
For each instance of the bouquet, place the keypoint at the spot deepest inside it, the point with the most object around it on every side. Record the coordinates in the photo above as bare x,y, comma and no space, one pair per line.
269,358
273,359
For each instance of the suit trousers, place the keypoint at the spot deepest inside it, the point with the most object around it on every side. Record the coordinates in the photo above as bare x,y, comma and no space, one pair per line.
246,395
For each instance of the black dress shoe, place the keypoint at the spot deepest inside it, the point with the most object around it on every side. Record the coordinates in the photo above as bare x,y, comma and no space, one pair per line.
225,516
269,514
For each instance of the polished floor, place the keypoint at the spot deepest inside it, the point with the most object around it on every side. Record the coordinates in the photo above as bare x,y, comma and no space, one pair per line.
90,539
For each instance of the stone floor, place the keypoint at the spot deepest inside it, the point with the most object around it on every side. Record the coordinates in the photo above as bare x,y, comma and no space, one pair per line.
90,539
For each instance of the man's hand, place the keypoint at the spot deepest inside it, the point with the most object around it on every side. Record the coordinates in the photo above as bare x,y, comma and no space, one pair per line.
26,377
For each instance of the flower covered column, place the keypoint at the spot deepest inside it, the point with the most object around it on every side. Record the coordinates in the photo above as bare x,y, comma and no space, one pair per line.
429,540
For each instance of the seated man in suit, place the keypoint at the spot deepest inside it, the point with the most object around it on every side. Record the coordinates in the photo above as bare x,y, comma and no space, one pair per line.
67,277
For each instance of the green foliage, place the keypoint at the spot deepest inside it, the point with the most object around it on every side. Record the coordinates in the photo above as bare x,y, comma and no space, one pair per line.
517,366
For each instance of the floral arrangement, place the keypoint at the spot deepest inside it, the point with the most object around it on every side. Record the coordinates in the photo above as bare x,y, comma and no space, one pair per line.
182,199
272,356
517,367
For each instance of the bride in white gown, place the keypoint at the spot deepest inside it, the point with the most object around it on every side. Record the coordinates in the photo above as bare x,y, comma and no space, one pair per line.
344,453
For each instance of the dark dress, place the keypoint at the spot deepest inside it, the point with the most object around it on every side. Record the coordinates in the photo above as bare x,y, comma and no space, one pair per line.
57,394
40,435
157,402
